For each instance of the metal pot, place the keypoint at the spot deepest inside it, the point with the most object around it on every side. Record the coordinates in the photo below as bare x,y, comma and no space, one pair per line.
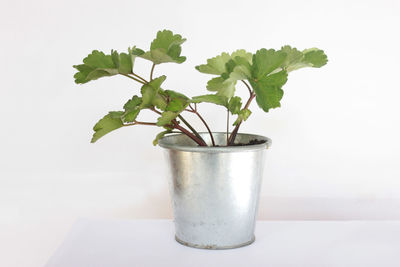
214,190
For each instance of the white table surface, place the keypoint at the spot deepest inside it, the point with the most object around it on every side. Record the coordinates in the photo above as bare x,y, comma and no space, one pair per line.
123,243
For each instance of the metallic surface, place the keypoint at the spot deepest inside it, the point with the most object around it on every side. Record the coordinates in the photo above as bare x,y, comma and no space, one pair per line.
214,190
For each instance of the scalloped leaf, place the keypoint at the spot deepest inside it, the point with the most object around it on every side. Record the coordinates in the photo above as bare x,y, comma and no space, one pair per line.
166,118
150,90
97,65
223,87
215,65
266,61
166,47
269,90
108,123
214,99
132,109
234,105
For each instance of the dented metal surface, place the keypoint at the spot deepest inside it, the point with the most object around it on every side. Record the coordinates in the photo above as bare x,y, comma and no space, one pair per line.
214,190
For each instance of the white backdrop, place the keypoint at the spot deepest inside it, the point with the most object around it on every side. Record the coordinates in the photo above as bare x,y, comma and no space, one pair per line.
336,147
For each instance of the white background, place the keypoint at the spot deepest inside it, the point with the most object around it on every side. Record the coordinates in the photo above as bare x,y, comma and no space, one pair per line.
336,147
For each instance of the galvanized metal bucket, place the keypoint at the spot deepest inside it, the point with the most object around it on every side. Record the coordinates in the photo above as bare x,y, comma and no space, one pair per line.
214,190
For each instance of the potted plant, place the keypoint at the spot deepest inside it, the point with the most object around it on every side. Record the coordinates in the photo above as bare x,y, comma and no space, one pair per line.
215,177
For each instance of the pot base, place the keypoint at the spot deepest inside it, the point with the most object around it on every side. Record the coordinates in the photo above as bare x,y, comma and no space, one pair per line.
214,246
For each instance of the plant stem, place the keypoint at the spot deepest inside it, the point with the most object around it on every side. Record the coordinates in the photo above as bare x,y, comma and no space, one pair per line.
151,72
190,127
204,122
156,111
139,77
235,131
189,134
133,78
248,87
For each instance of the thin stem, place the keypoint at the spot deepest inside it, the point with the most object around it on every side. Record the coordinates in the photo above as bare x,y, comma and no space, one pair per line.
156,111
248,87
190,127
189,134
133,78
205,124
151,72
235,131
139,77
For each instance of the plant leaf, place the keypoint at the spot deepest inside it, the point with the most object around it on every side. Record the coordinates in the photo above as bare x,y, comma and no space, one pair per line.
174,94
150,90
234,105
315,57
132,109
215,65
293,58
223,87
97,65
133,103
108,123
266,61
312,57
131,115
166,47
123,62
177,105
160,135
242,116
159,102
214,99
269,90
166,118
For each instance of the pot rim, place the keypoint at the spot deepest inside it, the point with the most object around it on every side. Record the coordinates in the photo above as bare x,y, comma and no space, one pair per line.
168,143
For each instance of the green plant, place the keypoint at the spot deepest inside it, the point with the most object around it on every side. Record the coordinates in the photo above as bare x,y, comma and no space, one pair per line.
262,73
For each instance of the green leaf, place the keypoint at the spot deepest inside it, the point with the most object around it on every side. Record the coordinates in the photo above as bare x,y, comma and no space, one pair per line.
293,58
166,47
97,65
166,39
136,51
235,103
133,103
241,53
268,90
130,116
266,61
173,94
160,135
315,57
159,102
150,90
177,105
242,116
115,114
312,57
223,87
215,65
214,99
166,118
132,109
123,62
108,123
